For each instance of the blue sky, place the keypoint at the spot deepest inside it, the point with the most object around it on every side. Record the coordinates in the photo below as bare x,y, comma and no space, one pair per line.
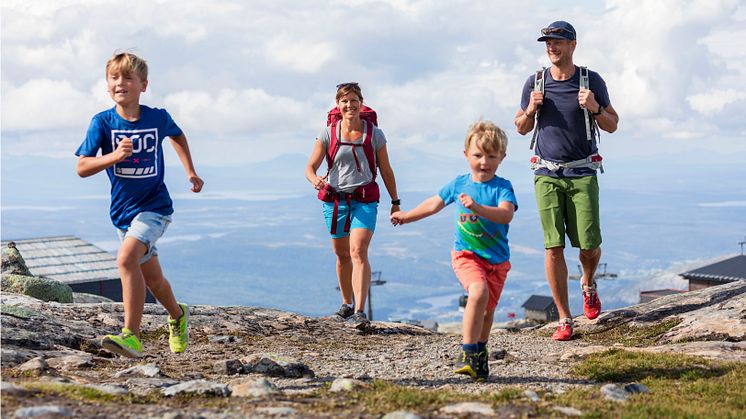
249,81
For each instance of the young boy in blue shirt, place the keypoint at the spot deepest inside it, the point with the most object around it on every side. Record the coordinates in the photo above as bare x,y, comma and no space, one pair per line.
485,204
130,138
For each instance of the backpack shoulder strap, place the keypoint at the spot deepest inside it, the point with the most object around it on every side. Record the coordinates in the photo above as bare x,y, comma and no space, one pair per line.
538,87
370,154
585,84
539,80
331,152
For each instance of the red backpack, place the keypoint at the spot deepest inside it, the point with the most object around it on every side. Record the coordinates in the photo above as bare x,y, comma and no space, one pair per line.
364,193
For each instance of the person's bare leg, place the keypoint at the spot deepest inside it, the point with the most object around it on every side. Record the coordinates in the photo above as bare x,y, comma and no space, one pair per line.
489,316
160,287
133,282
341,249
359,241
589,259
556,269
474,312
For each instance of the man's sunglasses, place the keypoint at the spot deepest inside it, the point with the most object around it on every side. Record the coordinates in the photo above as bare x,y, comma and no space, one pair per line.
550,31
351,84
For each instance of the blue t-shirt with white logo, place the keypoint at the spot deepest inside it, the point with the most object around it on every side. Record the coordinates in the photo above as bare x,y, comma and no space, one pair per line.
486,239
136,182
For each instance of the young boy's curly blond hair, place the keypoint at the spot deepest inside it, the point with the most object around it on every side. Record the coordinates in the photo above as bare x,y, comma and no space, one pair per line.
488,137
127,63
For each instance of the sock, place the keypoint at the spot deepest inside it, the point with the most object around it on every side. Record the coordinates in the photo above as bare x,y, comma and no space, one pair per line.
481,346
469,347
349,305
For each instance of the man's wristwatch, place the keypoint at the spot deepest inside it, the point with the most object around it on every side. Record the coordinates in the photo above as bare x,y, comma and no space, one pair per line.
396,202
600,111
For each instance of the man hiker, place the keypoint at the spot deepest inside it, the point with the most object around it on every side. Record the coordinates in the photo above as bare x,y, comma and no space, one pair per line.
565,105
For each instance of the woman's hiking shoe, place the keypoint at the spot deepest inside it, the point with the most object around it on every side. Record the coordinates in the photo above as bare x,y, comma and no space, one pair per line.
467,363
564,330
361,321
345,312
483,366
591,303
178,331
124,344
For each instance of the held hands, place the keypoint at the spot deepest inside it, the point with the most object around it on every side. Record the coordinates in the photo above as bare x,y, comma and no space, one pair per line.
587,100
197,183
124,149
397,217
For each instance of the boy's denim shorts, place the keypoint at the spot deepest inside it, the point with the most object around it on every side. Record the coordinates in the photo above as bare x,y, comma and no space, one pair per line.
147,227
363,216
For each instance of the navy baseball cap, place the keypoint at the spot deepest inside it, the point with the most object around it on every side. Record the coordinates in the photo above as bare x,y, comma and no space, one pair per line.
558,30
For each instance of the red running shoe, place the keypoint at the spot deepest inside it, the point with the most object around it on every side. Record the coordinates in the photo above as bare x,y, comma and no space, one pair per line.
591,303
564,330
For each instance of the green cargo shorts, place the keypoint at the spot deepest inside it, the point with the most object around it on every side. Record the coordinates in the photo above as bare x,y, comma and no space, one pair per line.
569,206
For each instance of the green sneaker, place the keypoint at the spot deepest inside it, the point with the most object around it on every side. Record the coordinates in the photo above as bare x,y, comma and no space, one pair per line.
125,344
483,366
467,363
178,332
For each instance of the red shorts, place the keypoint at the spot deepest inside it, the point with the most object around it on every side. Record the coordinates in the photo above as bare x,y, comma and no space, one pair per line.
470,268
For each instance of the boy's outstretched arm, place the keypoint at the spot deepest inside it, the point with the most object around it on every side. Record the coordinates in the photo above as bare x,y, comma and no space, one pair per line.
501,214
90,165
426,208
182,150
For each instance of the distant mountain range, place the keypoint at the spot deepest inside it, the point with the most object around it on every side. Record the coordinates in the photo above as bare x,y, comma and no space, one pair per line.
255,236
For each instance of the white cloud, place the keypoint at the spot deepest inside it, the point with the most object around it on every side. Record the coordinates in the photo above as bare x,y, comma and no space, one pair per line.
299,54
41,104
723,204
231,112
261,74
714,101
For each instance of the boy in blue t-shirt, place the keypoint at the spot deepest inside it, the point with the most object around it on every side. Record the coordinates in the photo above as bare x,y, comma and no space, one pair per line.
130,138
485,204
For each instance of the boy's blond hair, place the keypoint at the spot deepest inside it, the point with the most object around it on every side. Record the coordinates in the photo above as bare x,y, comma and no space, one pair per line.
127,63
488,137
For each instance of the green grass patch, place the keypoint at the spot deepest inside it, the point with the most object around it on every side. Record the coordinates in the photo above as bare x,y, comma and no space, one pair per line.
88,394
19,312
617,365
680,386
383,397
630,336
73,391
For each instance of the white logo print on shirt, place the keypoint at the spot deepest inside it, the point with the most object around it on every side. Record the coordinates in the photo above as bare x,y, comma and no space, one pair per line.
143,162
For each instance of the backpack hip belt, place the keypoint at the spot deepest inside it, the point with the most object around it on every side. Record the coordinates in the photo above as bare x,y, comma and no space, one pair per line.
594,161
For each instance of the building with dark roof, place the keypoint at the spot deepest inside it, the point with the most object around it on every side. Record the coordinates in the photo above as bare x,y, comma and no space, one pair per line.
79,264
718,273
540,308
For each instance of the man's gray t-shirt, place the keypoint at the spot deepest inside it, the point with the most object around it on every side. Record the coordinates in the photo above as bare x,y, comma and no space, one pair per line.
344,175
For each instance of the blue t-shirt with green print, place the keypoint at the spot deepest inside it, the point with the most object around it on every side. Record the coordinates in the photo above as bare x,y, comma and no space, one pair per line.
486,239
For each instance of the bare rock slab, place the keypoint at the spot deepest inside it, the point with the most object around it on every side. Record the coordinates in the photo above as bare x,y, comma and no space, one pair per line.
199,388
